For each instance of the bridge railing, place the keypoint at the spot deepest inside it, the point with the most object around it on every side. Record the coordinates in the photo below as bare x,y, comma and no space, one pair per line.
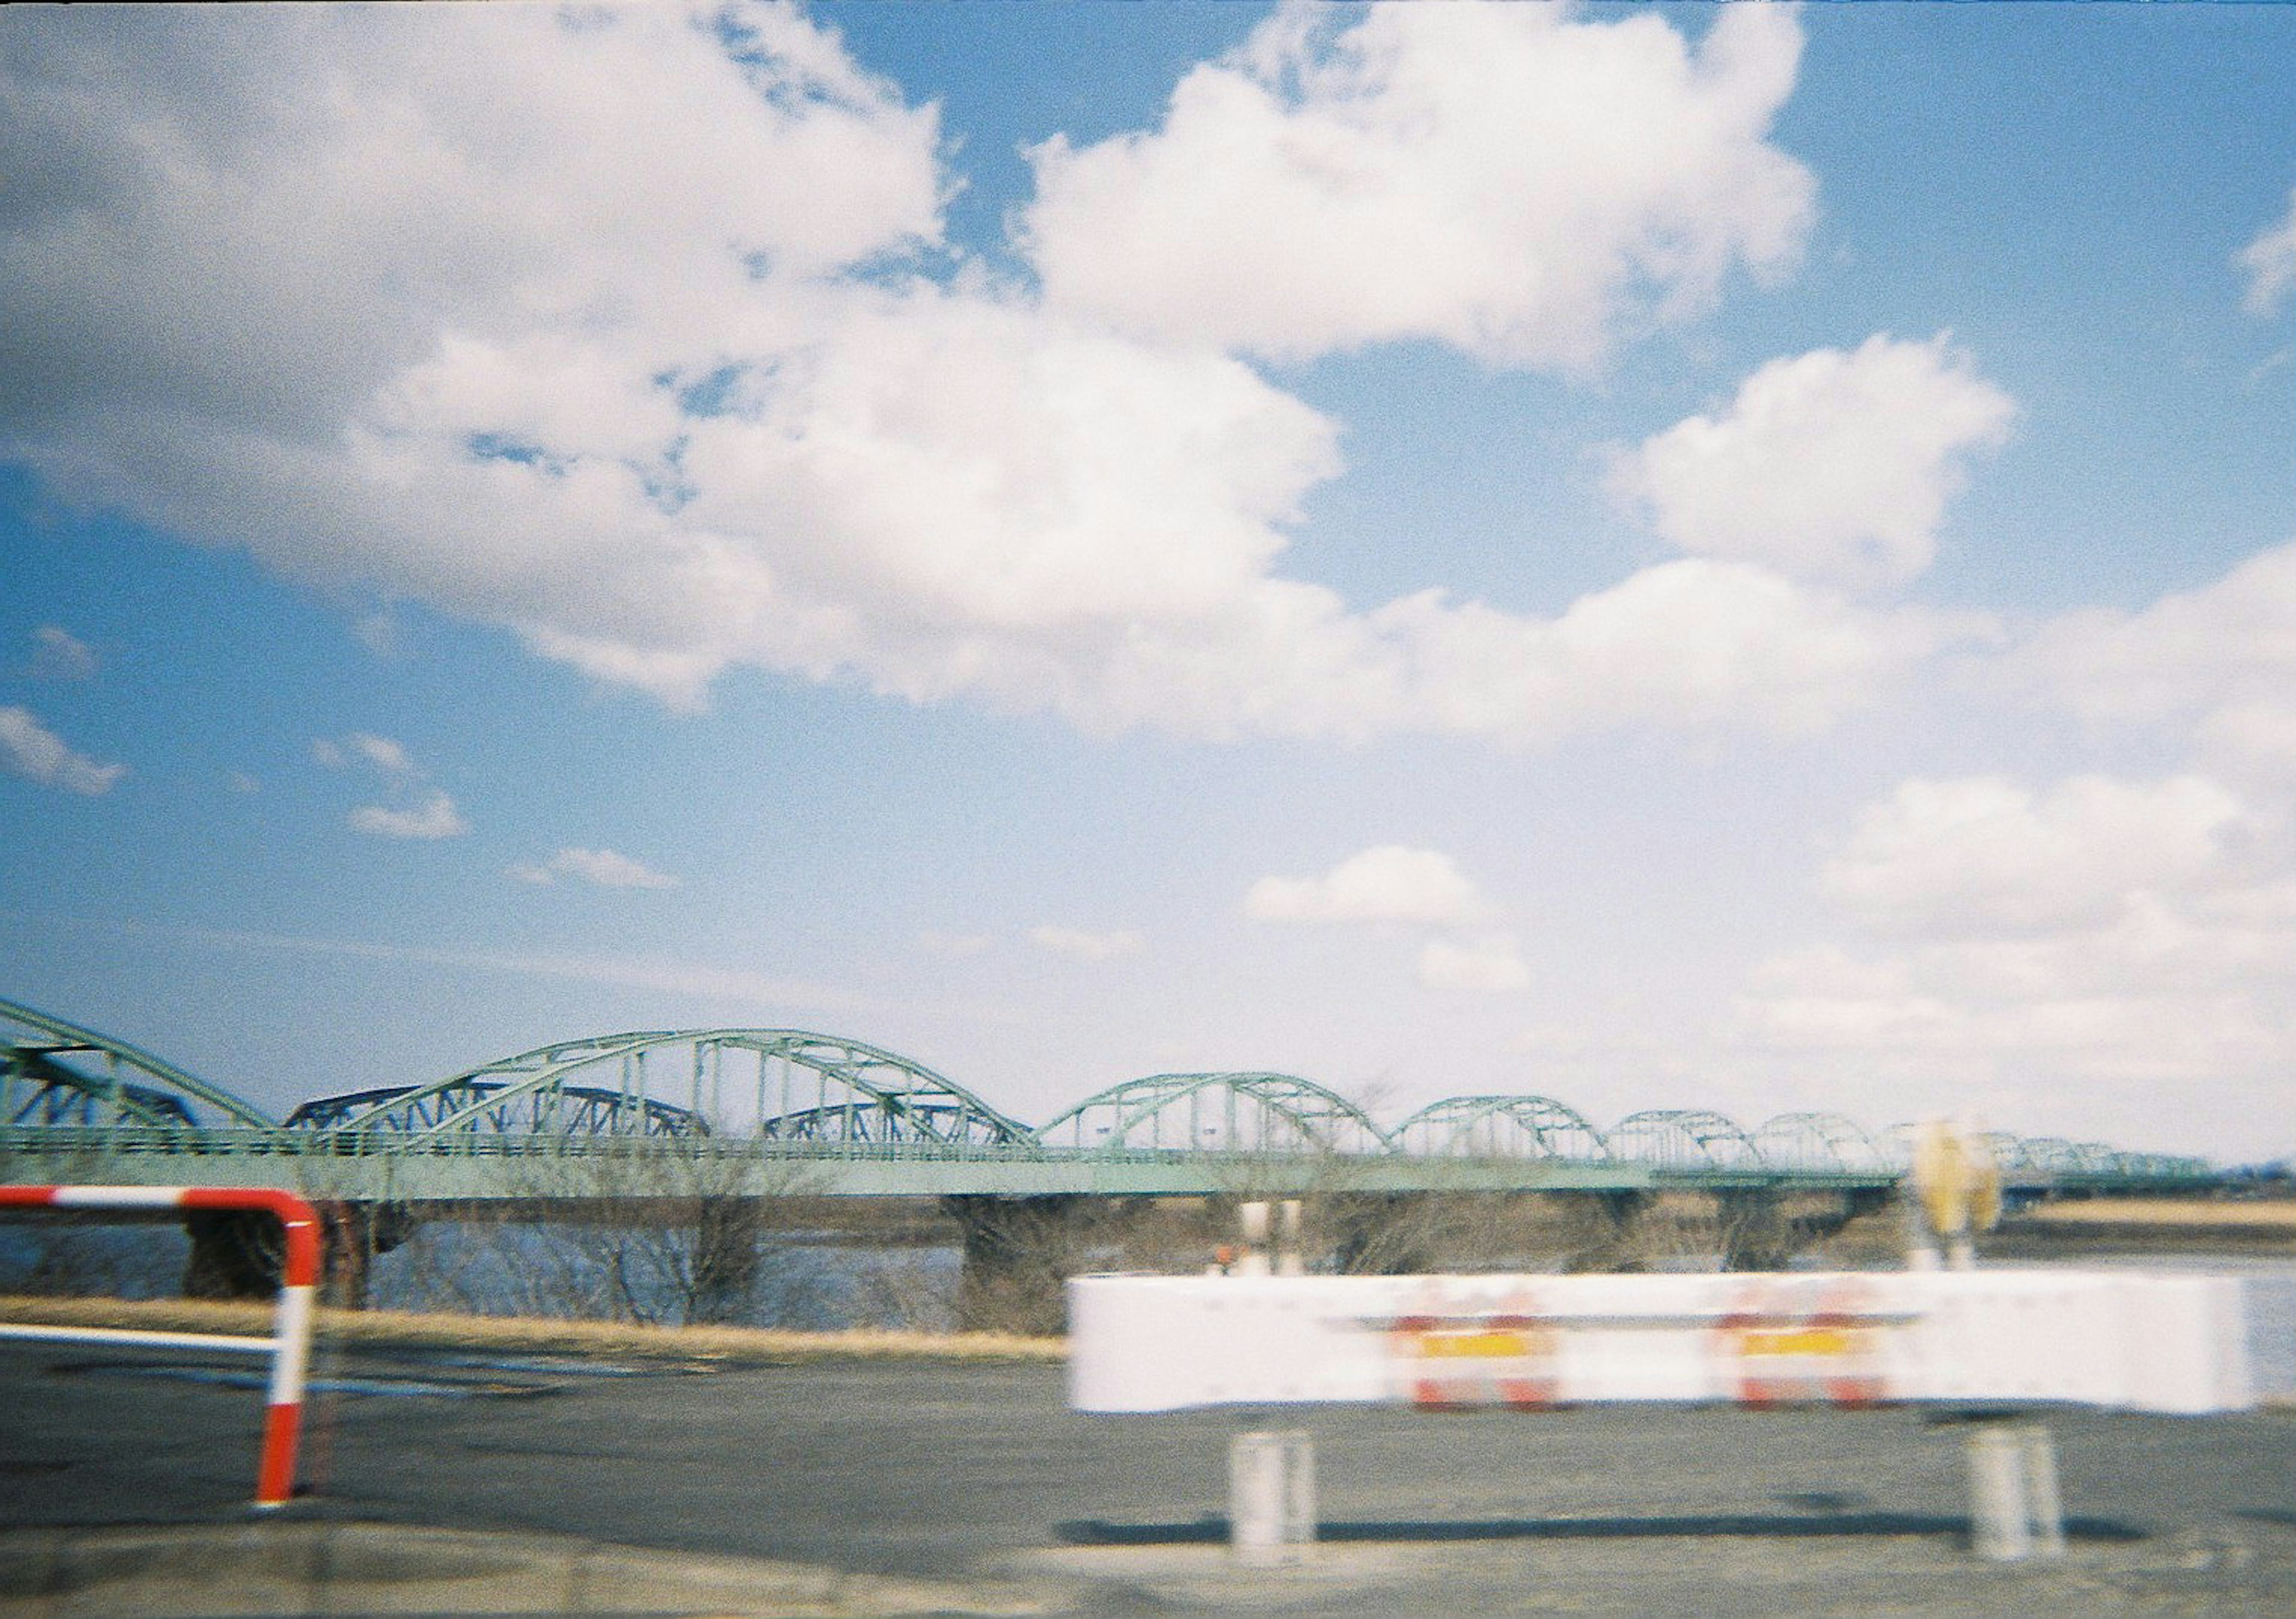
52,1143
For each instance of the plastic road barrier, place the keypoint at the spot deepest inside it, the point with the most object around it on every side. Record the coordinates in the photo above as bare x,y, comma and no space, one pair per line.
1959,1339
290,1343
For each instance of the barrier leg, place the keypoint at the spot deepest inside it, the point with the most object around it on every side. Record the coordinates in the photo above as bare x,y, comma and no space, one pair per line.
1271,1492
2043,1507
2000,1525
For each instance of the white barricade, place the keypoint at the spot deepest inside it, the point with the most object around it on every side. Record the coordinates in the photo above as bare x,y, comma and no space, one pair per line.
1968,1338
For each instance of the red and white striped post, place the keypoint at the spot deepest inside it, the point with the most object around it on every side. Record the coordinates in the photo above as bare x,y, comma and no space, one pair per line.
291,1323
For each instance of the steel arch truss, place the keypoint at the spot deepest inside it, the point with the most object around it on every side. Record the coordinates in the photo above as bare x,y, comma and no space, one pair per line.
1247,1113
1501,1127
57,1075
1683,1139
1820,1142
757,1085
496,1107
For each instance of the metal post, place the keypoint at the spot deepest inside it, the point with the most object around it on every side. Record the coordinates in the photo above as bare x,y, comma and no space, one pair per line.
1271,1491
2000,1524
2043,1507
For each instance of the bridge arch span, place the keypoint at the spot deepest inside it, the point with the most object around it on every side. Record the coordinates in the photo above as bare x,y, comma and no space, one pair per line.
1820,1142
1683,1139
753,1085
1501,1127
1230,1112
58,1075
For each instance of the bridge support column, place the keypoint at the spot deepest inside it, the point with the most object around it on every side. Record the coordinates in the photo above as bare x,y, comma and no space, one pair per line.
1755,1234
1017,1252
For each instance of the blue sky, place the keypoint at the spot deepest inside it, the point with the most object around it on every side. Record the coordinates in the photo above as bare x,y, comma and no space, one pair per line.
1669,556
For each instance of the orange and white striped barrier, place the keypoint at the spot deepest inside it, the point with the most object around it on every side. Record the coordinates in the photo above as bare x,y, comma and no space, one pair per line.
290,1343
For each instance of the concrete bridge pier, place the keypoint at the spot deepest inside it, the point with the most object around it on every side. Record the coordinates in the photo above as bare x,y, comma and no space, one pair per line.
1017,1253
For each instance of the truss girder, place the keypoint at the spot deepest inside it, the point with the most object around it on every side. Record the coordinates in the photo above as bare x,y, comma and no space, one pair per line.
133,1087
1229,1112
1683,1139
857,1091
493,1105
1819,1142
1501,1127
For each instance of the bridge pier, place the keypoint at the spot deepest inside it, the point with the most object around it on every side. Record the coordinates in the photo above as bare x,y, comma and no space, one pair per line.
1017,1253
1755,1232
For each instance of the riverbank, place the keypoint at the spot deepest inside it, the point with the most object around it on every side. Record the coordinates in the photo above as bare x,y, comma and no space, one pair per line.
409,1329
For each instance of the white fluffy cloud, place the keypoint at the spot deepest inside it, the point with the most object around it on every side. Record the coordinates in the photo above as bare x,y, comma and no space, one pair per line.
1509,179
1490,966
1386,883
1983,856
2081,946
30,750
598,327
2269,263
603,868
434,816
417,812
2231,641
1831,465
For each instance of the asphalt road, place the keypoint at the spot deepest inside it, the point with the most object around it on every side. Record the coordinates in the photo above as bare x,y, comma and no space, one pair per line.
980,1473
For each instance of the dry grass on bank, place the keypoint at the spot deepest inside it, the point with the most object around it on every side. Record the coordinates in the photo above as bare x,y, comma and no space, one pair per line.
732,1345
2164,1213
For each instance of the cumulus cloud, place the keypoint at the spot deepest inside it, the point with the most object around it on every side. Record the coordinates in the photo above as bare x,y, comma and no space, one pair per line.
1831,465
58,654
2098,937
644,369
1387,884
2270,264
1983,854
603,868
2230,642
32,751
1483,966
435,816
1510,180
1086,945
2157,997
417,812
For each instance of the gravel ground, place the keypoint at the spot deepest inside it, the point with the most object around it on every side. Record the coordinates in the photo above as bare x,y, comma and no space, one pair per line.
980,1473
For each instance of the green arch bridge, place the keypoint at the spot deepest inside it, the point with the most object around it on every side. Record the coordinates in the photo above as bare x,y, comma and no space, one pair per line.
761,1112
